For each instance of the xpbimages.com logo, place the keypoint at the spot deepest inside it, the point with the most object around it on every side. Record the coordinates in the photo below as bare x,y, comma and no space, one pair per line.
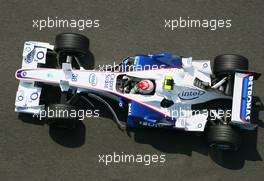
56,22
122,157
80,114
189,23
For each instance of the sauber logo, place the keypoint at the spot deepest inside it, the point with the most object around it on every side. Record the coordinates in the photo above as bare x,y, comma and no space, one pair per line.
249,97
190,94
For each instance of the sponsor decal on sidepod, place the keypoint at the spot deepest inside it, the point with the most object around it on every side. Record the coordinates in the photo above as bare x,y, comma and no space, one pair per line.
190,94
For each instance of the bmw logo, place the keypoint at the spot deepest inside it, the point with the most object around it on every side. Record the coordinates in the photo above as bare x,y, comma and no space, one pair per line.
20,98
40,55
28,49
34,96
199,125
24,74
29,60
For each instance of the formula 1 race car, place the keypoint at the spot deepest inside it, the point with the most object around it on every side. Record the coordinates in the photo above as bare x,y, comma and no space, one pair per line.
159,90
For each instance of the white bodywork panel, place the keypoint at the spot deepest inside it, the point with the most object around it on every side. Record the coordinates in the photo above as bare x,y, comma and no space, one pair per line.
27,97
184,94
243,85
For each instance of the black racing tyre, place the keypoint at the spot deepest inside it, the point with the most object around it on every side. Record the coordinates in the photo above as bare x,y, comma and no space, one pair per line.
71,43
223,137
229,63
59,115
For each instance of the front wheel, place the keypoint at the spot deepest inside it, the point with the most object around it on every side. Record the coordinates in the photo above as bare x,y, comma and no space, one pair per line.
71,43
76,46
223,137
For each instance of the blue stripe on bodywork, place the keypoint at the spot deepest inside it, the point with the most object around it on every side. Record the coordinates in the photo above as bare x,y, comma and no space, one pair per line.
155,61
138,112
244,110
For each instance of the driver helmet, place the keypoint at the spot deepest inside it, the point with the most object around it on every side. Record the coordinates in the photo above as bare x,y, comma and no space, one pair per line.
145,86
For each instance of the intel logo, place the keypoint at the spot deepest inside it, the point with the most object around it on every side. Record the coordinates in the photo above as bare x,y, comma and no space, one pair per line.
190,94
93,79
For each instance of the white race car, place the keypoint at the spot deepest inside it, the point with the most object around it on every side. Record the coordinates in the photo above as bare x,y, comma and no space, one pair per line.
159,90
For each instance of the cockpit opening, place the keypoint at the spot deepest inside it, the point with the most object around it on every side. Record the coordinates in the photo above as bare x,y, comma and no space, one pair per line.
134,85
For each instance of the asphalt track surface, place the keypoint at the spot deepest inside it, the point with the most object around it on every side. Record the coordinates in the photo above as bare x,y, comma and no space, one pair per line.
31,151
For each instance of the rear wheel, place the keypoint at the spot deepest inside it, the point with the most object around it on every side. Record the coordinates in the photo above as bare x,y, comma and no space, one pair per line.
229,63
225,66
223,137
62,116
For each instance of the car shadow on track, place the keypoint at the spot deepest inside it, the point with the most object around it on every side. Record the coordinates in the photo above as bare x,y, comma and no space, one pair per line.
68,138
170,141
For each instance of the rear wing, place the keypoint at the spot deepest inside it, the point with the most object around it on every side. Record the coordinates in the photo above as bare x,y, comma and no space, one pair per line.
242,97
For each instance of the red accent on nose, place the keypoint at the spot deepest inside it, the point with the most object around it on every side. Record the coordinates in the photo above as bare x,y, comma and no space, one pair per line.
143,85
